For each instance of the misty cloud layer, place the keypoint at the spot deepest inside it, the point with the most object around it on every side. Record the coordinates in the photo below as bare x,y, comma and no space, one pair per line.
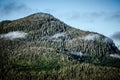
92,37
115,56
79,54
13,35
57,35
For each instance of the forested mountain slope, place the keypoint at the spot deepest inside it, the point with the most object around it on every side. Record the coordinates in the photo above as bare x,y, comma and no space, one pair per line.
41,46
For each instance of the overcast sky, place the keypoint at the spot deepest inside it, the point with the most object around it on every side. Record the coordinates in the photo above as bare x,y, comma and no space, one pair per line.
102,16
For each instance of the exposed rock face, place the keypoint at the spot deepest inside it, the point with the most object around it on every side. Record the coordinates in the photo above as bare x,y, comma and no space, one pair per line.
53,33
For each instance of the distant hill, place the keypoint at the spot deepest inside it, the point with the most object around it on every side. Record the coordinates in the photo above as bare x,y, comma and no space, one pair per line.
40,42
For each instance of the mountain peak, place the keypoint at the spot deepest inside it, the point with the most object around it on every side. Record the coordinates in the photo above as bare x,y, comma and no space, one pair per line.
41,15
43,26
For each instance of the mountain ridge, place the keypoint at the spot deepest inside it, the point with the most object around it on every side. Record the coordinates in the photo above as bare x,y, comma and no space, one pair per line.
41,44
46,25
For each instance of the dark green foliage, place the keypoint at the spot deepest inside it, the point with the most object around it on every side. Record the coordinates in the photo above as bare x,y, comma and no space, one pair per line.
42,65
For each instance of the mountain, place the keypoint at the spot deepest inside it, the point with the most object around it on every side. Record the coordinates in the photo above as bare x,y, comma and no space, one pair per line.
40,44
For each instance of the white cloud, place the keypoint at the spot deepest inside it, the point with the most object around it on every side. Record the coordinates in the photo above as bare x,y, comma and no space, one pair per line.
57,35
76,53
13,35
92,37
115,56
80,54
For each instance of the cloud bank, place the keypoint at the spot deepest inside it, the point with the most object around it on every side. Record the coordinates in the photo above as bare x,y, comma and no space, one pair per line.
115,56
57,35
92,37
95,37
80,54
62,35
13,35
